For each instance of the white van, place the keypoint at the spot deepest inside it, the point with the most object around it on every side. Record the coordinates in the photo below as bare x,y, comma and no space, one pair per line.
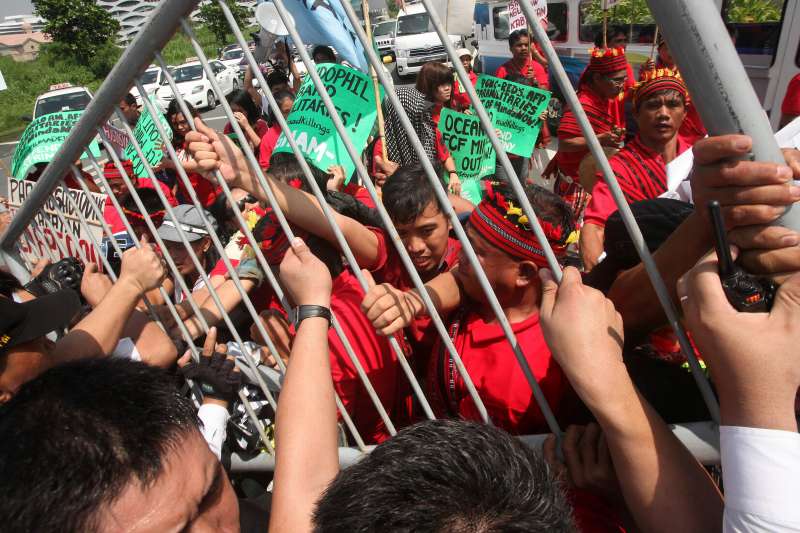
416,42
769,49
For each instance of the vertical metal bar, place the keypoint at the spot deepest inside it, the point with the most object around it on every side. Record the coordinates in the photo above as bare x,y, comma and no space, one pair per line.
469,252
153,36
557,71
348,348
259,256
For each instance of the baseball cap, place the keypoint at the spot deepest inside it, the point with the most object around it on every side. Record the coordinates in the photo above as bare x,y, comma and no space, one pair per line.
461,52
24,322
657,219
190,221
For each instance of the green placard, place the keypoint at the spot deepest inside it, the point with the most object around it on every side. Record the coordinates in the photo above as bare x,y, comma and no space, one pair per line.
312,127
41,140
515,110
149,140
471,150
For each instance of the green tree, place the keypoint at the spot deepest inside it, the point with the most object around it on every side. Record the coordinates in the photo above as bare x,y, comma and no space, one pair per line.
750,11
625,12
210,15
80,27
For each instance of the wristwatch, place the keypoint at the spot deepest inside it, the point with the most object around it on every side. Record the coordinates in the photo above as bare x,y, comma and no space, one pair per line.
302,312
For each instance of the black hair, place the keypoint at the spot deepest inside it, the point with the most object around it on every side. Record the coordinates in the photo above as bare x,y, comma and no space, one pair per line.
277,77
245,101
279,96
446,475
129,99
8,284
80,433
149,198
515,36
174,109
324,50
407,193
611,32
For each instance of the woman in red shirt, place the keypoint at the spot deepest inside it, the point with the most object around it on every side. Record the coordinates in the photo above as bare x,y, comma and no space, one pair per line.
248,115
285,100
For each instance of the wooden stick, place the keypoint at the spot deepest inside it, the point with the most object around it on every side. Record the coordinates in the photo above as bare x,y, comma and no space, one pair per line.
605,27
375,84
653,47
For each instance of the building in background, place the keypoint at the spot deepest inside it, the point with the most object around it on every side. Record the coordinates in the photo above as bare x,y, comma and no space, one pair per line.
21,24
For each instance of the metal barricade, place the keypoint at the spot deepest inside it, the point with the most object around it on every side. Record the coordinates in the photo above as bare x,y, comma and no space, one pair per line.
26,228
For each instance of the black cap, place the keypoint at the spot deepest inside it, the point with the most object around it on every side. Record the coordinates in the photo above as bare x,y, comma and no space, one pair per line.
657,219
24,322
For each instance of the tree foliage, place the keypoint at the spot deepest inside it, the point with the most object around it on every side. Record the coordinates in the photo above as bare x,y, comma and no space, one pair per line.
81,28
625,12
210,15
750,11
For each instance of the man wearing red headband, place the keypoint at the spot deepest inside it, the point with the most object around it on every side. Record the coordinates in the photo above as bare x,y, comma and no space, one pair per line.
119,188
692,129
601,94
511,257
659,106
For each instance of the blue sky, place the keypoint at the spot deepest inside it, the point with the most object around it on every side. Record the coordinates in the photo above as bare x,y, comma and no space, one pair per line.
15,7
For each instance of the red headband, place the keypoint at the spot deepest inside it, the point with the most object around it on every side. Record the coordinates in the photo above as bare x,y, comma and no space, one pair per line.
662,79
505,226
110,170
605,60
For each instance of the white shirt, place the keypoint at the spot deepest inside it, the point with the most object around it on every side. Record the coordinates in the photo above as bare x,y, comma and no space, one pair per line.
762,479
214,428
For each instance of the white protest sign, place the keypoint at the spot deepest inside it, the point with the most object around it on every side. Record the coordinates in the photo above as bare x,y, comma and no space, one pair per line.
3,85
516,17
35,244
457,15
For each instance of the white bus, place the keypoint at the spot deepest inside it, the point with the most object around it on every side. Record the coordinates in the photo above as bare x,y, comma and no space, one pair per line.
767,38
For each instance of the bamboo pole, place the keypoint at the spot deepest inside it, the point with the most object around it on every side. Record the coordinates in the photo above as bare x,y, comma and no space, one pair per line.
655,40
375,84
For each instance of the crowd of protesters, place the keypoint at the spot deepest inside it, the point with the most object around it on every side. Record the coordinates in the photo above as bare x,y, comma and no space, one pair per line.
98,434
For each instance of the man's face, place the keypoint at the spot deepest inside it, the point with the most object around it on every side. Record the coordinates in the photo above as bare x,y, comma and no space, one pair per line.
23,363
131,112
620,39
521,49
660,117
181,256
425,239
118,187
192,494
501,270
286,107
611,84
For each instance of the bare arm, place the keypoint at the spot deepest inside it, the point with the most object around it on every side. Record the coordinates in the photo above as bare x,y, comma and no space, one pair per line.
229,296
99,332
591,245
665,488
212,151
250,88
307,456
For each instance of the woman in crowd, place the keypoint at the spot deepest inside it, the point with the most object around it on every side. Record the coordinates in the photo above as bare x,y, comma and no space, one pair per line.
248,115
285,101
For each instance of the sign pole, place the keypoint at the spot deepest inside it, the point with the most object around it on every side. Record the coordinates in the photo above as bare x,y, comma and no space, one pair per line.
375,84
655,40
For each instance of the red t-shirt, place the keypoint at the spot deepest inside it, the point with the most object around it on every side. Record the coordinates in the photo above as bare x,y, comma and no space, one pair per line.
112,216
603,113
498,378
641,173
376,357
389,269
268,141
359,193
460,96
791,101
260,128
206,191
539,71
442,153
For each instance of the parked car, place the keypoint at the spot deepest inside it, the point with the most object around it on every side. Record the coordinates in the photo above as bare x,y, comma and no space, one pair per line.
61,97
232,57
416,42
195,86
151,80
383,32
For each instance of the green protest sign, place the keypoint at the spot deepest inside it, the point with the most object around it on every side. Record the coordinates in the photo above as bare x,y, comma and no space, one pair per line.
312,127
41,140
471,150
149,140
515,110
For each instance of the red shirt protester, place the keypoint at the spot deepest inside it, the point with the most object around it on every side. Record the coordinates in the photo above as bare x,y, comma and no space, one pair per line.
111,174
268,141
791,102
460,96
641,173
539,72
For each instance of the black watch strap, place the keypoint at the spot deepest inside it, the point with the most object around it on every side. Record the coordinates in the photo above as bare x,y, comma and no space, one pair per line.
309,311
